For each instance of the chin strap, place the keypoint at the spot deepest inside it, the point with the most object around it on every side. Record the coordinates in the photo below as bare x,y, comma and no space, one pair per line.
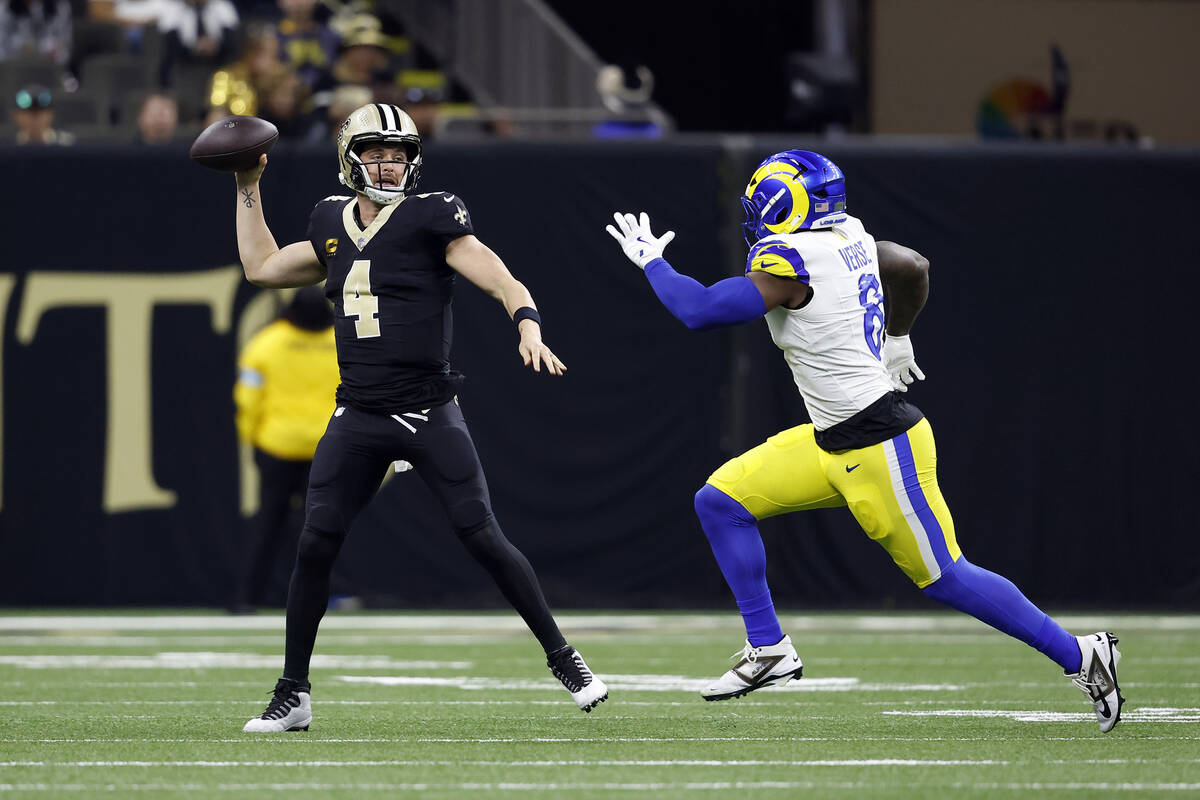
382,197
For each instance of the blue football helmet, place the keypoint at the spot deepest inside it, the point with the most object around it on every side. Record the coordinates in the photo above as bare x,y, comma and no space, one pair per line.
796,190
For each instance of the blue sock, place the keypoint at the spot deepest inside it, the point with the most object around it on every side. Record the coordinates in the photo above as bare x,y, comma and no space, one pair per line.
994,599
733,534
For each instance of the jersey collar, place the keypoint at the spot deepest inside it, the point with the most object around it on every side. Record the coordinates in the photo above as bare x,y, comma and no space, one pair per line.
360,237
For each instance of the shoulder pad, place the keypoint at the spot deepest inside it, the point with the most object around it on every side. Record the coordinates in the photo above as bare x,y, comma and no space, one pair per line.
776,257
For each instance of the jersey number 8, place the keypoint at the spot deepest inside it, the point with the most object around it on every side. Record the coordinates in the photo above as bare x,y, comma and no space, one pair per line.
870,297
357,300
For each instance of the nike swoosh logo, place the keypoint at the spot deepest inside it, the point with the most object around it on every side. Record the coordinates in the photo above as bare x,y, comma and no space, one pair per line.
448,198
851,469
640,239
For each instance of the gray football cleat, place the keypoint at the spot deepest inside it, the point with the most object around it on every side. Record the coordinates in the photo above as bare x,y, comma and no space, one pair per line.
1097,677
758,667
290,709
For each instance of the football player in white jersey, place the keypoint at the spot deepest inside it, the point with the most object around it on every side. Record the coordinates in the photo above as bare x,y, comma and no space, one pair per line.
820,280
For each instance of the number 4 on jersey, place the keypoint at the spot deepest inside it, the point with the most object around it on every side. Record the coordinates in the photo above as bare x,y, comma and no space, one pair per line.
357,300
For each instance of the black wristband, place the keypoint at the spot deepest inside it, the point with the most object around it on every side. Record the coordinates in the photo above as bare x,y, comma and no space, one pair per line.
527,312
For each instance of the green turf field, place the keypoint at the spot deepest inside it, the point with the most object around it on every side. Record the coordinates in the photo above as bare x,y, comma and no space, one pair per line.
891,705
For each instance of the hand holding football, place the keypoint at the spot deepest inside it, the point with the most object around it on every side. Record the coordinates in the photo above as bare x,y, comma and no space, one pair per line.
234,144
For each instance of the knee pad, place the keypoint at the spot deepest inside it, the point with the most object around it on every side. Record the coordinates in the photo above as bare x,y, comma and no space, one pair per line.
486,542
949,584
318,546
714,506
469,516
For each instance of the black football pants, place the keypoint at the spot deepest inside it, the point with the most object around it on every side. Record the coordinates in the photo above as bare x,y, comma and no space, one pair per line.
356,450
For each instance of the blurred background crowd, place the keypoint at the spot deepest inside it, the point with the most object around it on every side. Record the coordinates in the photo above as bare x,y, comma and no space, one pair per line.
155,71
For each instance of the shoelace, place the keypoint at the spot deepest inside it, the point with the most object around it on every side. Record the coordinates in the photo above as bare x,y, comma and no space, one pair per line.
1094,689
747,653
572,672
284,700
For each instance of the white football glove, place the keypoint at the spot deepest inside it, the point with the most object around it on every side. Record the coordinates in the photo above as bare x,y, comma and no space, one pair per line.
900,362
635,238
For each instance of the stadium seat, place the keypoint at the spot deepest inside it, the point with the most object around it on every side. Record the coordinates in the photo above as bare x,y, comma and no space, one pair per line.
100,132
18,72
78,108
109,75
191,90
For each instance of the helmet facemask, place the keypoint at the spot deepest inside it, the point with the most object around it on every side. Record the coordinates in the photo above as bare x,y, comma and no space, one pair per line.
378,125
368,177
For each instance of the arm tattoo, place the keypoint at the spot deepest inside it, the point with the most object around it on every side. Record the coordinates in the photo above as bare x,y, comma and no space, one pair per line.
248,198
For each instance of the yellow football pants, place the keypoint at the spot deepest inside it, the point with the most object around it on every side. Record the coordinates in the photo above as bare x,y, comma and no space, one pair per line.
891,489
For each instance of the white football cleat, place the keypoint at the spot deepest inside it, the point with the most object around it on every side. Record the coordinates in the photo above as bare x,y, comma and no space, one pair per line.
289,710
758,667
1097,677
572,671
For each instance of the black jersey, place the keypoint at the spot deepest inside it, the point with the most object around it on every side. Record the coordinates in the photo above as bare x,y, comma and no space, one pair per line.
391,289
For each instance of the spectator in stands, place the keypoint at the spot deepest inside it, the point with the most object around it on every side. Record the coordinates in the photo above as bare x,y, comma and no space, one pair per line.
364,59
628,104
35,28
344,100
422,93
196,31
282,102
287,377
33,114
235,89
307,46
158,119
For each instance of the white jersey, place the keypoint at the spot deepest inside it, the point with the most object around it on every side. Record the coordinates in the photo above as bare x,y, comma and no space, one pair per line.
833,343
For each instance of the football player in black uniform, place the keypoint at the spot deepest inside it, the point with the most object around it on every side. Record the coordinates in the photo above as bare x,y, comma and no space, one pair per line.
389,259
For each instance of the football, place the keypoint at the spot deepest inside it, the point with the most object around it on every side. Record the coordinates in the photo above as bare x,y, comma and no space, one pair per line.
234,143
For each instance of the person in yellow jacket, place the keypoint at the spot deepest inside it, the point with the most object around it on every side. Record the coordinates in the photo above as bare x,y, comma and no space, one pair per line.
287,377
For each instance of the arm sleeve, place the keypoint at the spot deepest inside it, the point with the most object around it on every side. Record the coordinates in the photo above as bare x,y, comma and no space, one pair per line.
700,307
450,218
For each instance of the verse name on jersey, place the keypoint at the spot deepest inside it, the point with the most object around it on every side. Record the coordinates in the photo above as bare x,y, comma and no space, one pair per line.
855,256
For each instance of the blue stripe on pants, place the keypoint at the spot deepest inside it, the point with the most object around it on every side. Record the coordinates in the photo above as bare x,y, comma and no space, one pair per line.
912,487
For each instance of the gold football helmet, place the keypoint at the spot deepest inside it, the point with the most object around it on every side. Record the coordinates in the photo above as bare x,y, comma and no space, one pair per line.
378,123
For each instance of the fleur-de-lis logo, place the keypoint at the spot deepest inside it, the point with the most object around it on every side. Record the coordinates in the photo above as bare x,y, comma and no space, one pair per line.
461,216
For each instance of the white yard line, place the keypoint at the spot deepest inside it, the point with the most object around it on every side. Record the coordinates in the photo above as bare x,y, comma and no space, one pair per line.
204,788
863,762
638,683
317,740
1133,715
323,702
208,660
503,621
406,787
